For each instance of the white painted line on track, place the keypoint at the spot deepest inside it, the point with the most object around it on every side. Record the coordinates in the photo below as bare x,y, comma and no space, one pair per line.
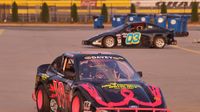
186,49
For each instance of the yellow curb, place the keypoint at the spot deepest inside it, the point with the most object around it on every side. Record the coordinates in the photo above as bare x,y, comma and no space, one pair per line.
186,49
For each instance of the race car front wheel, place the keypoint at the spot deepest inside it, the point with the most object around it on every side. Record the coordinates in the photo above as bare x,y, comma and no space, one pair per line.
159,42
77,103
42,100
109,42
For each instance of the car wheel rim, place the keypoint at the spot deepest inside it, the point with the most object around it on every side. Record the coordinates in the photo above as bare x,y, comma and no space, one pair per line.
76,104
160,43
39,99
110,42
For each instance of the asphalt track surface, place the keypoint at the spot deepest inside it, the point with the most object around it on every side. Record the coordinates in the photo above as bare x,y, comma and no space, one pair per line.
176,69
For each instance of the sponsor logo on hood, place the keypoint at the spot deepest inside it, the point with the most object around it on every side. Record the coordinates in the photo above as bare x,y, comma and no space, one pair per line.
127,94
120,86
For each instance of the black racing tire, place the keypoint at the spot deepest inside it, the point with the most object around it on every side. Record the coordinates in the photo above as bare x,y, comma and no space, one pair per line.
159,42
42,100
109,42
77,103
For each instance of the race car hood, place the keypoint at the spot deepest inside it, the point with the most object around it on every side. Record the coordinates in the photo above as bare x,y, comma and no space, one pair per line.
100,36
125,94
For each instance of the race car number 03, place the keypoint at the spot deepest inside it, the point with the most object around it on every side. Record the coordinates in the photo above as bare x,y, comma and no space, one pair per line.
133,38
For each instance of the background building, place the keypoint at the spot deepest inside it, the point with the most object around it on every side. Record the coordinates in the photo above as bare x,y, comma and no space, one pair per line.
29,10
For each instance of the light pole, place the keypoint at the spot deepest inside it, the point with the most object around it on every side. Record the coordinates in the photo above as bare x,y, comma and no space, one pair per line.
89,11
55,13
71,19
27,11
111,12
185,5
4,11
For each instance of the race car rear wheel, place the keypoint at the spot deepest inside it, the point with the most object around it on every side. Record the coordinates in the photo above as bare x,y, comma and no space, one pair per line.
109,42
42,100
77,103
159,42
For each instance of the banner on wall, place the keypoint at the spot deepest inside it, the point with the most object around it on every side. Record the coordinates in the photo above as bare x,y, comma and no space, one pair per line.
86,3
169,3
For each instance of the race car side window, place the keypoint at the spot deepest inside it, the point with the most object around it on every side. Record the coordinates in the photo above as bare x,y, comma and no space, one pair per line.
150,26
57,64
140,28
68,68
130,28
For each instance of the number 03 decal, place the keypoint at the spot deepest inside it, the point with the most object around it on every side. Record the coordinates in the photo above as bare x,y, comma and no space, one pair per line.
133,38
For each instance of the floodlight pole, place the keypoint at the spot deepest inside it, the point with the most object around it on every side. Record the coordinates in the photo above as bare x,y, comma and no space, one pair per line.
27,11
4,11
55,13
111,10
89,11
185,5
71,10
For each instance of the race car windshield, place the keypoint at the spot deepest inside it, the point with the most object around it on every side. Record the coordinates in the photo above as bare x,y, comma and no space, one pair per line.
117,29
107,70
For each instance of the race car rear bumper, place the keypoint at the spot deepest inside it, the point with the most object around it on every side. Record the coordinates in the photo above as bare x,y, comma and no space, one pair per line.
174,42
103,109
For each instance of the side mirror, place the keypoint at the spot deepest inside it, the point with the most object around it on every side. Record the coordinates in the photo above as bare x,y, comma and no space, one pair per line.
140,73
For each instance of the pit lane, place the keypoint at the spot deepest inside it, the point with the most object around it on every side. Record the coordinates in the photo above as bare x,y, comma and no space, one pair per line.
22,49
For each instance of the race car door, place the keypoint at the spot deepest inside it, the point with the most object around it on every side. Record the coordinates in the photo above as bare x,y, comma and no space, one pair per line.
132,35
70,75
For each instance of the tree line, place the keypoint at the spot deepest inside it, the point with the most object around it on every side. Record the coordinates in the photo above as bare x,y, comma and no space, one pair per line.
44,15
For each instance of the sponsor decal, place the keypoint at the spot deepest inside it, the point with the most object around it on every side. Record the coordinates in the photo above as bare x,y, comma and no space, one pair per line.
175,4
128,96
97,42
133,38
118,35
119,40
103,57
37,78
86,105
53,105
120,86
58,92
44,76
88,3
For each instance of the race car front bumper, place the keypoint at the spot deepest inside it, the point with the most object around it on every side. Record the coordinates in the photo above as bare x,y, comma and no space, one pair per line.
104,109
86,42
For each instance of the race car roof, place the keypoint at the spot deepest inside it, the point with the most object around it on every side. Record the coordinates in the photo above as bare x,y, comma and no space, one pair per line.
72,54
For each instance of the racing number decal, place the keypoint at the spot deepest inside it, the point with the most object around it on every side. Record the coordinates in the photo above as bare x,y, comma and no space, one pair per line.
133,38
